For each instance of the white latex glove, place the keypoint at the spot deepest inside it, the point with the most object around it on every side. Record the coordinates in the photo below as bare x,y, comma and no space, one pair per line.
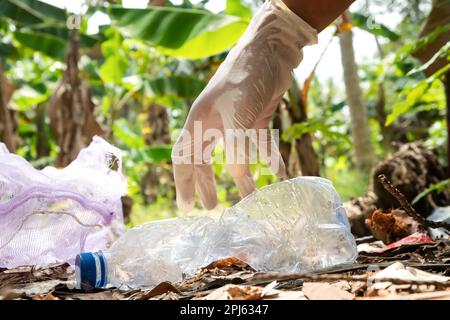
243,94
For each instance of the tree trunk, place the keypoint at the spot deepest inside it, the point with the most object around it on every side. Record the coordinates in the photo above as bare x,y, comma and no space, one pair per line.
71,109
380,109
284,147
307,157
8,124
309,163
447,95
157,125
158,133
157,3
42,144
439,16
364,156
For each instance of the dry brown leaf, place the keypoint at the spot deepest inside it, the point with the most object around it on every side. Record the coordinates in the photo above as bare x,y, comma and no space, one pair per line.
163,287
372,292
392,226
171,296
436,295
245,293
8,294
227,262
358,286
343,285
37,288
48,296
325,291
103,295
398,270
234,292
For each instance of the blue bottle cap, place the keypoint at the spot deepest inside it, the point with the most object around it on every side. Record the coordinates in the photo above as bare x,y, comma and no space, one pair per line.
90,268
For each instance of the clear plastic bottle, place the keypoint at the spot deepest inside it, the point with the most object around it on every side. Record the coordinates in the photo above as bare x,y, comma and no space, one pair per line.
293,226
146,255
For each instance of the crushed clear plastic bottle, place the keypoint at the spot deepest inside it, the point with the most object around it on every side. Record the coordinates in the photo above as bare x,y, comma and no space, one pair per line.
296,225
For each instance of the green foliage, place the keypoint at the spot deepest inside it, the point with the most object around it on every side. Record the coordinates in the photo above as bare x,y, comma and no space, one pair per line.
35,80
326,129
443,53
7,50
132,139
438,187
423,93
184,33
50,45
366,23
158,154
238,9
410,97
31,12
437,138
115,66
414,46
165,56
41,27
29,95
349,183
180,86
416,90
62,33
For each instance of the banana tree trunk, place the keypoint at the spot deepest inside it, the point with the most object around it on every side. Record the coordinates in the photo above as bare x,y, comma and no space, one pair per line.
157,126
363,152
71,109
157,123
42,142
297,109
8,122
307,157
285,147
447,94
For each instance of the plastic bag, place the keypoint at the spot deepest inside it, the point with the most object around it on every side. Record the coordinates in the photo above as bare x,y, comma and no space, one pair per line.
52,215
439,214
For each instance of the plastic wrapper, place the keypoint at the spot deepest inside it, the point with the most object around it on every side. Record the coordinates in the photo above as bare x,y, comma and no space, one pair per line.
51,215
440,214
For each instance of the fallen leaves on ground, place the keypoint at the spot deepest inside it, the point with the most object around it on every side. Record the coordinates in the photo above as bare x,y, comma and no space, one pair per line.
325,291
392,226
230,262
420,271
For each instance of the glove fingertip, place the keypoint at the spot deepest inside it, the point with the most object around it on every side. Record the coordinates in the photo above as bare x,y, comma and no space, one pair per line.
185,206
282,171
210,204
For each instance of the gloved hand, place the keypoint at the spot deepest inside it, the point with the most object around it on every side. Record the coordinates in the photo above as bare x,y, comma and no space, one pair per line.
243,94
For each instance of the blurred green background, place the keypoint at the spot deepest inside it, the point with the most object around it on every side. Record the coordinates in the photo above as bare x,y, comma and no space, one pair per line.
143,67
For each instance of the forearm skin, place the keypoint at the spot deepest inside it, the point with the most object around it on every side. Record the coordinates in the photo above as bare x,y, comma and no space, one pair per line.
318,13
